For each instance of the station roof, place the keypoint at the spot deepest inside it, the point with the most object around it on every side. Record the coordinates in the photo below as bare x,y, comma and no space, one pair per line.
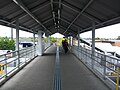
63,16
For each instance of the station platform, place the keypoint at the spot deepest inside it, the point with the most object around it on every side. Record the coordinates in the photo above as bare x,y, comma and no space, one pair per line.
39,74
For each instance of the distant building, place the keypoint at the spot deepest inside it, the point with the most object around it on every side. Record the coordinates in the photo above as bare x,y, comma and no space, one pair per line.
112,42
116,44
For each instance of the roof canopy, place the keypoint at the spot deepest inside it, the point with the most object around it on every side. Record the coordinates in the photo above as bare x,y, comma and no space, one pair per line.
63,16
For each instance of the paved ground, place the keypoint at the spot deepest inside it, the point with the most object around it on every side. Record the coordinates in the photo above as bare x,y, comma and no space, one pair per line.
75,76
39,74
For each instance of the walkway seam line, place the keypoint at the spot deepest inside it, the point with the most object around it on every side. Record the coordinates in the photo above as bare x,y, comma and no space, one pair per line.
57,74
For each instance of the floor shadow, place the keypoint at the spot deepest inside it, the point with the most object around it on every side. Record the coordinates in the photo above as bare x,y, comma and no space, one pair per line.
49,54
64,54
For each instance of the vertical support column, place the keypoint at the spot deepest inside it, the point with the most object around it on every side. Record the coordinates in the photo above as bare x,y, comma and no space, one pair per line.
93,44
71,41
11,33
48,40
40,51
105,67
34,39
78,38
17,34
17,40
34,43
78,42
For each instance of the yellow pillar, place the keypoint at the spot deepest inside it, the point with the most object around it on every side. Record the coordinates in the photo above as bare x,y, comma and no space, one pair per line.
1,69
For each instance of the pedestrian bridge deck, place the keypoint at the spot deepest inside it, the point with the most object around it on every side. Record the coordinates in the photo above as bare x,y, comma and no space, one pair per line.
39,74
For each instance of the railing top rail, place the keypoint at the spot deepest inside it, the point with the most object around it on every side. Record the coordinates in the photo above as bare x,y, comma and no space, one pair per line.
100,53
15,51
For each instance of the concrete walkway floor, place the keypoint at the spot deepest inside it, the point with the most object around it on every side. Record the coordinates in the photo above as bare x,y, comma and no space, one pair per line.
39,74
76,76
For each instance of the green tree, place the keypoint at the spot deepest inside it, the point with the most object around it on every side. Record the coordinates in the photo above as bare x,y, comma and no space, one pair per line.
53,40
45,40
97,38
7,44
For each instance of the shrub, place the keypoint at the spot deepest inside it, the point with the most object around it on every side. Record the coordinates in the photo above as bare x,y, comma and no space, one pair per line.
7,44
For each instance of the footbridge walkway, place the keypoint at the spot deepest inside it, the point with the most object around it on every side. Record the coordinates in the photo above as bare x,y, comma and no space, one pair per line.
55,71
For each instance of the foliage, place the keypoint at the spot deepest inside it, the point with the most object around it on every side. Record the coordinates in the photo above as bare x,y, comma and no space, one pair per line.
53,40
97,38
7,44
45,40
59,42
100,38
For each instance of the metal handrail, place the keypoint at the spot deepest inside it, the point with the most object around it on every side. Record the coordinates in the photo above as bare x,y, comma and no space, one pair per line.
15,60
103,64
9,64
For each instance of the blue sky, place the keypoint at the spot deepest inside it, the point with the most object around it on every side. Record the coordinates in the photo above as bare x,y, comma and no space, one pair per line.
106,32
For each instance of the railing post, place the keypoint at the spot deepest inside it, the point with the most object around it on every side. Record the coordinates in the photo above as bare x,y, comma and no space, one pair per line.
25,56
104,66
34,43
117,79
5,66
86,57
18,58
78,42
81,52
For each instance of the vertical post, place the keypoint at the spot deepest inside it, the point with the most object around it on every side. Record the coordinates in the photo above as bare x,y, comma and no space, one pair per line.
72,41
104,66
78,42
86,56
81,52
48,40
34,43
69,43
5,67
40,43
17,34
11,33
78,38
93,43
17,40
33,39
117,79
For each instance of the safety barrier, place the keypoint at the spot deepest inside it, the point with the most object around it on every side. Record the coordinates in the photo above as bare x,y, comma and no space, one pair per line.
13,61
104,66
